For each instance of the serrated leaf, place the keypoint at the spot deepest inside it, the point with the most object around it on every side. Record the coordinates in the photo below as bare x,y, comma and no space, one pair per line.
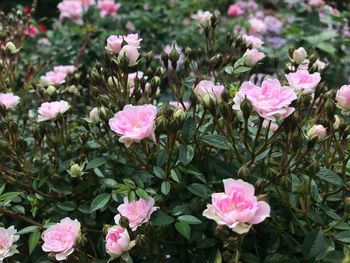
314,243
99,201
184,229
329,176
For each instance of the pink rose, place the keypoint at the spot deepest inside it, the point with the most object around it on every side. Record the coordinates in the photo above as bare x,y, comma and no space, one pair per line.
118,241
203,17
270,101
206,89
133,40
303,81
131,80
235,10
178,105
342,98
137,212
108,7
237,207
86,3
317,132
134,123
68,69
257,26
7,239
32,31
131,52
53,78
252,41
272,126
71,10
50,110
320,65
253,56
299,55
114,44
9,100
60,238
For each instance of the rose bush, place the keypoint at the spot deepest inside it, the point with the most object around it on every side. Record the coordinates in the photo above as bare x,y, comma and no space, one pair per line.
216,148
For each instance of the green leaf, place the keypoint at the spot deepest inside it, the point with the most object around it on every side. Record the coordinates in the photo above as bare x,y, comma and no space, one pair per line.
159,172
96,163
229,69
241,70
109,182
239,62
165,188
326,47
343,236
162,219
142,193
186,154
314,244
189,219
67,206
329,176
99,201
200,190
188,129
33,240
28,229
174,176
9,196
218,258
184,229
217,141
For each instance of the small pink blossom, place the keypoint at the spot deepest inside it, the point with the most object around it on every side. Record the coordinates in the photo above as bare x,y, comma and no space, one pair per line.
257,26
235,10
137,212
68,69
131,53
50,110
32,31
343,98
118,241
9,100
252,41
237,207
303,81
60,238
203,17
253,56
108,7
270,125
206,89
114,43
86,3
71,10
53,78
8,236
317,132
134,123
270,101
320,65
133,40
178,105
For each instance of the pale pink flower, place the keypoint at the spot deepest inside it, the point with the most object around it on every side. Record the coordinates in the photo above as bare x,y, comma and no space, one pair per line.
253,56
131,80
71,10
343,98
272,126
9,100
252,41
68,69
316,2
178,105
31,31
53,78
131,52
299,55
137,212
247,5
238,207
206,89
317,132
257,26
320,64
8,236
235,10
118,241
108,7
86,3
133,40
303,81
203,17
270,101
134,123
114,43
50,110
94,116
60,238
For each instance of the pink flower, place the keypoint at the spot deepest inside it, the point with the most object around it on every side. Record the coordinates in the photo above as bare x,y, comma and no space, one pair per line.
257,26
32,31
320,64
342,98
316,132
53,78
299,55
9,100
114,43
134,123
133,40
69,69
137,212
178,105
60,238
71,10
50,110
237,207
253,56
270,101
118,241
272,126
303,81
235,10
316,2
131,80
206,89
252,41
108,7
203,17
7,239
131,52
86,3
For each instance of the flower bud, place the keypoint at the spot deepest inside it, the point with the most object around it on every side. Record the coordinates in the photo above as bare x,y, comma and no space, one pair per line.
299,55
76,170
102,113
347,205
165,59
337,122
11,48
179,115
330,108
316,133
246,108
94,115
73,89
208,102
174,57
243,172
50,90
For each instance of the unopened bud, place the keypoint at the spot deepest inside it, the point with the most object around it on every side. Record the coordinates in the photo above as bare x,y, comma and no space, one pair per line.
347,205
50,90
299,55
76,170
11,48
316,133
94,115
243,172
246,108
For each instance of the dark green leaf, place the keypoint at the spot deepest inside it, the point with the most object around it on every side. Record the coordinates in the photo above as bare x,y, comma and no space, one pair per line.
217,141
165,188
329,176
159,172
99,201
28,229
186,154
162,219
33,240
200,190
188,129
96,163
184,229
189,219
